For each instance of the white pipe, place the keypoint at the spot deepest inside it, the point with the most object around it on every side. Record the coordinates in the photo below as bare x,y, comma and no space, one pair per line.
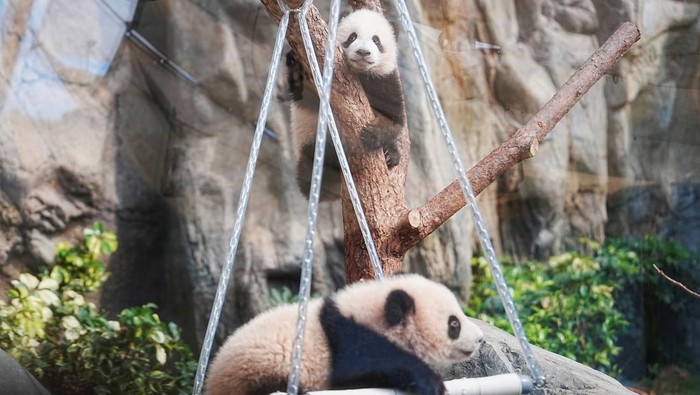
502,384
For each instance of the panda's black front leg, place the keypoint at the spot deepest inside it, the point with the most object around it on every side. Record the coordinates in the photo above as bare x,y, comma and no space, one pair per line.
382,133
415,382
295,77
362,358
331,179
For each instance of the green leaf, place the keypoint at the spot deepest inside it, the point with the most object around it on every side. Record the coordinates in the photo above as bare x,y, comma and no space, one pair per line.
29,281
158,337
48,283
48,297
161,356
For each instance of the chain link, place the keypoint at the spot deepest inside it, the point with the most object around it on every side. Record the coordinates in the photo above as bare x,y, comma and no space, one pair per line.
215,314
316,174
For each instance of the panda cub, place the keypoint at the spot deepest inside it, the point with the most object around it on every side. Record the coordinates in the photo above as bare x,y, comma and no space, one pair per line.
370,50
387,333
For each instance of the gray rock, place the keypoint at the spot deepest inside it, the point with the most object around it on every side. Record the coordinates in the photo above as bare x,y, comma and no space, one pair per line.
501,354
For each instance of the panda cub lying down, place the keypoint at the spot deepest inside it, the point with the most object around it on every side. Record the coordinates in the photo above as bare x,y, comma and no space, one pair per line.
370,334
370,50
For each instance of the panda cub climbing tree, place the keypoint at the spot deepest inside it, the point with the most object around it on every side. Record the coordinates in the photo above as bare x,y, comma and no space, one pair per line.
370,50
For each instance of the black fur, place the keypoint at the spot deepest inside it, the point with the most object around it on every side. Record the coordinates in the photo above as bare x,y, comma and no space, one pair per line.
378,43
386,98
454,328
349,40
331,178
362,358
399,304
295,77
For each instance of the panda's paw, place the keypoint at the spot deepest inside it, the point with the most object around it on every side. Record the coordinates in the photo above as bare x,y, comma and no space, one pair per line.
392,155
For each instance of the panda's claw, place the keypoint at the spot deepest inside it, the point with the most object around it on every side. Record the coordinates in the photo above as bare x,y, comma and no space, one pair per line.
392,155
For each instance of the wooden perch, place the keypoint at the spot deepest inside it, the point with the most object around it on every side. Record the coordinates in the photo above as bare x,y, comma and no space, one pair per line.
396,228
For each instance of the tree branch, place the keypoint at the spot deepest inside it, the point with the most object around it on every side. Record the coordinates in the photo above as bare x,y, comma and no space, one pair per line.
420,222
676,283
394,227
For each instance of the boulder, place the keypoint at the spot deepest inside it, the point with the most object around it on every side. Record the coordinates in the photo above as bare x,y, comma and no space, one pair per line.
501,354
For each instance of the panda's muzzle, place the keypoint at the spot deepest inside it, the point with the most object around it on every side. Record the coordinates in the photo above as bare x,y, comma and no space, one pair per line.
467,352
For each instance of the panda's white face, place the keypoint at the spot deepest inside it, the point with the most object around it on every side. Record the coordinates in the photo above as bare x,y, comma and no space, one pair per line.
438,331
369,42
417,314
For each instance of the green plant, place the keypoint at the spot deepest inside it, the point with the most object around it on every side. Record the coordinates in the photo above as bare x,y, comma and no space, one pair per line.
566,305
52,329
282,296
668,255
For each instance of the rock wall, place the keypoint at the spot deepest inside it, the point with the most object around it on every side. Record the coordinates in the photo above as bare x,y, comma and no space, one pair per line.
93,126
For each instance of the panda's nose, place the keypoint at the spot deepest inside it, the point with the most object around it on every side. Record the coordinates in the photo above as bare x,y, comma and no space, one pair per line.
362,52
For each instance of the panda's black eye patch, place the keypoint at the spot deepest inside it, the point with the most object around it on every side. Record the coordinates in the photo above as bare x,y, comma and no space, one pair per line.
453,327
378,43
351,38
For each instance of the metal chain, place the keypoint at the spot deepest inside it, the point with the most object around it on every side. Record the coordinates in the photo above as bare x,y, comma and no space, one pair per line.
496,270
215,314
316,174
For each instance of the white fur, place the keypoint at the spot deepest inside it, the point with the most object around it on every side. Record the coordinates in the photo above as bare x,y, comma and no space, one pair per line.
262,348
303,121
367,24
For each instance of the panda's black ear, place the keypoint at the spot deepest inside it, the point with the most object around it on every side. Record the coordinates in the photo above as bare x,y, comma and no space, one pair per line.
399,304
395,27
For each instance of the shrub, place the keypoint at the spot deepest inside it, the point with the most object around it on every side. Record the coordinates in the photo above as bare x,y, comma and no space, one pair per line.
668,255
566,304
569,304
72,347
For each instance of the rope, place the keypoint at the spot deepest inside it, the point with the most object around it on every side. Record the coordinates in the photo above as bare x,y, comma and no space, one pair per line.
316,173
496,270
215,314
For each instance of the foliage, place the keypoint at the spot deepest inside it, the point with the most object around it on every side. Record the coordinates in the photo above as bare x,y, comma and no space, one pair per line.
282,296
669,256
72,347
566,305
